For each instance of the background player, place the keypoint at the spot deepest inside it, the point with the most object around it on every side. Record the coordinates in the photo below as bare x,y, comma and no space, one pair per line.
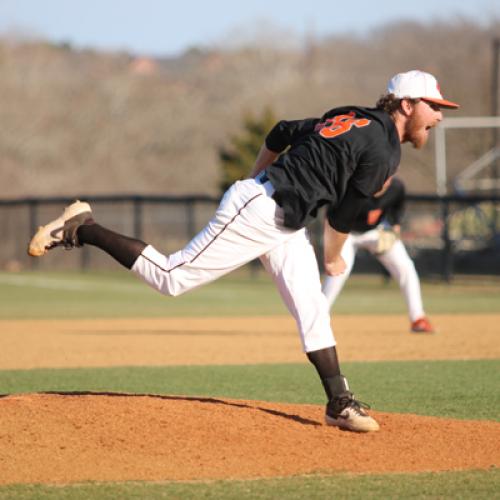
377,229
338,160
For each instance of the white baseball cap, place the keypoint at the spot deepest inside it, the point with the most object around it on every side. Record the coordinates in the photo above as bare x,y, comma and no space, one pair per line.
418,85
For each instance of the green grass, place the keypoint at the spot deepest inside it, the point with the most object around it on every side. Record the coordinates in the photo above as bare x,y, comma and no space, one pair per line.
458,389
120,294
78,295
457,485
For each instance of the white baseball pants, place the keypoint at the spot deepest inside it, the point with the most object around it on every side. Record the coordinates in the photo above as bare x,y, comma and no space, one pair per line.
247,225
396,261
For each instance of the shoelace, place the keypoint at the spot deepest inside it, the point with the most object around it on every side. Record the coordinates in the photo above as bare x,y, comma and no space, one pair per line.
357,406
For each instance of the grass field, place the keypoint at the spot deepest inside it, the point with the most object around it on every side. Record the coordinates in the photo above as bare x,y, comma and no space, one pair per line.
73,295
455,389
453,485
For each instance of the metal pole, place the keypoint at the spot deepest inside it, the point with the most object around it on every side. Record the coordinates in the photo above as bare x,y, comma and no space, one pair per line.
494,111
494,84
440,160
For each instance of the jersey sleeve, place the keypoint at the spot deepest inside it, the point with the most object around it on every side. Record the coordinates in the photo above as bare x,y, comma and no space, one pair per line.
286,133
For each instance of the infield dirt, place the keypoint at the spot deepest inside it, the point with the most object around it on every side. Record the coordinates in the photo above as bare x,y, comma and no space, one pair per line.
63,438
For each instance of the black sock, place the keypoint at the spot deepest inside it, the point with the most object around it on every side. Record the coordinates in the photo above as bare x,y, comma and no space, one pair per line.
327,365
122,248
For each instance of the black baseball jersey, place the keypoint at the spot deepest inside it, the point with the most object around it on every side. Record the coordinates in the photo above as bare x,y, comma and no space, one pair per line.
388,208
338,160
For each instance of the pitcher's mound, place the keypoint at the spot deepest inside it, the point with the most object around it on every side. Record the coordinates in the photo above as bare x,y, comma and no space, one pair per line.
62,438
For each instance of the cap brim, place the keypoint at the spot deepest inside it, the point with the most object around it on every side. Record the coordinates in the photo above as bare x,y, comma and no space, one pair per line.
442,102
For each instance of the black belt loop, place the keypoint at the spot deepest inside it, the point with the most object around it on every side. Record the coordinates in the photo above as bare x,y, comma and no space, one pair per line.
262,178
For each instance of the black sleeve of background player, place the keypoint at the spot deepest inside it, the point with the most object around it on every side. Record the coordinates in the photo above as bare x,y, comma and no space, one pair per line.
285,133
342,217
394,200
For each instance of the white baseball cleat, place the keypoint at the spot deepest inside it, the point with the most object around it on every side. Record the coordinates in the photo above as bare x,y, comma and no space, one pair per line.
61,231
347,413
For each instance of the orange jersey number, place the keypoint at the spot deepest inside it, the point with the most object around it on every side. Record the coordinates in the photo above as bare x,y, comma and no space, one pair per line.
373,216
340,124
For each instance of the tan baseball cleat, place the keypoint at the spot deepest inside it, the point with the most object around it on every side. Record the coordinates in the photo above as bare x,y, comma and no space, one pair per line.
347,413
61,231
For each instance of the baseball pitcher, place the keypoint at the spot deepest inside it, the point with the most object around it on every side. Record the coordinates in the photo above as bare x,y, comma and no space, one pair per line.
338,160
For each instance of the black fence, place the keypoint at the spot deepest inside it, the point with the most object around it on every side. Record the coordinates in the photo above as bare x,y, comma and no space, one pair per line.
444,235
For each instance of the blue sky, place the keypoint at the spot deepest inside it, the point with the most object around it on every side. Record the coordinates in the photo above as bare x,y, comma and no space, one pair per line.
155,27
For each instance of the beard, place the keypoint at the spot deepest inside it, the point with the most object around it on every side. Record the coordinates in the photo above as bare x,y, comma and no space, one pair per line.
416,132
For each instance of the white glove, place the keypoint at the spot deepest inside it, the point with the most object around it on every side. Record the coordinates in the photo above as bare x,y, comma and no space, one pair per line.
386,239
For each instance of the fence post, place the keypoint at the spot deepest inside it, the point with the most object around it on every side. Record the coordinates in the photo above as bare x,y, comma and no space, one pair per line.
190,219
137,220
85,258
447,259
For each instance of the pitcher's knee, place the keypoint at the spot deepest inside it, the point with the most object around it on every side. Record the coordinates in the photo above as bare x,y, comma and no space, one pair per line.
174,291
169,286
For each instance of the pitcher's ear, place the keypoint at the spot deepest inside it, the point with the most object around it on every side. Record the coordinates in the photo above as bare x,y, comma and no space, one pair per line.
407,106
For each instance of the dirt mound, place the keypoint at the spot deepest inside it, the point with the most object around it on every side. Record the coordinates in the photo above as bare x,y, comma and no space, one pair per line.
63,438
